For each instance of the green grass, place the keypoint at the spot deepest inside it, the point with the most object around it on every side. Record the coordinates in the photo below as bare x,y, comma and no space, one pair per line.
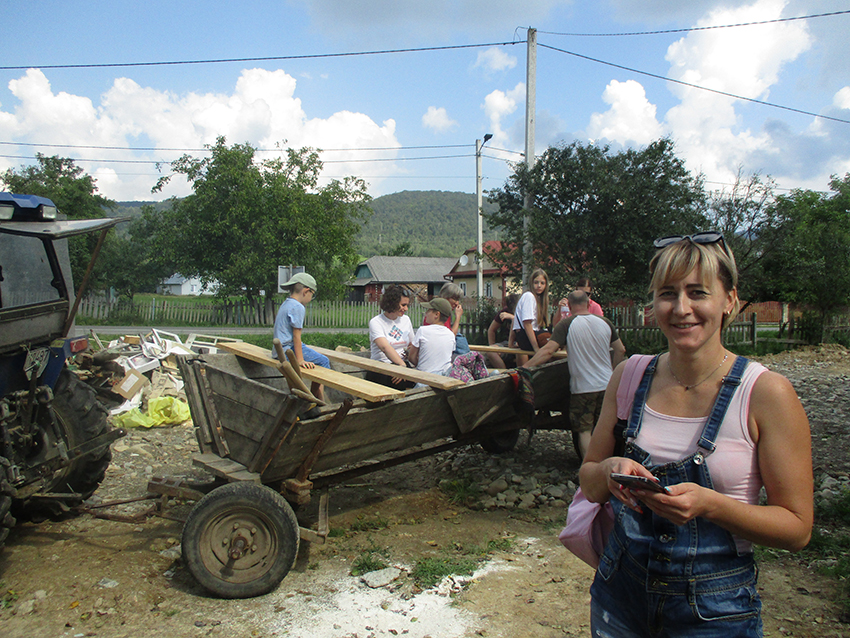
460,560
372,524
372,559
429,571
460,491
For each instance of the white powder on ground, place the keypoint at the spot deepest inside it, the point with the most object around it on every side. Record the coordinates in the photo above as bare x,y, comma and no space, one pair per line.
347,608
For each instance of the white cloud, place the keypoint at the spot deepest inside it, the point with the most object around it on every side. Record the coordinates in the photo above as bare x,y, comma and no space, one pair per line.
842,98
495,59
438,120
262,110
631,118
741,61
499,104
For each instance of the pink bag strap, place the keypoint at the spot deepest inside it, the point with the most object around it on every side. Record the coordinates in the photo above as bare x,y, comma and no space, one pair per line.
629,382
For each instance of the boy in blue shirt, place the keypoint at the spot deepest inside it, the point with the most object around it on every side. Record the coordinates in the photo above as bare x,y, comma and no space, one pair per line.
290,322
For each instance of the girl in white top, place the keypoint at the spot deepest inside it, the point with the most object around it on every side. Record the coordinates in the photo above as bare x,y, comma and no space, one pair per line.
532,314
390,333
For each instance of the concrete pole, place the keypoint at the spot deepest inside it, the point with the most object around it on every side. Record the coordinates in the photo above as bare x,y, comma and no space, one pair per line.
530,108
480,249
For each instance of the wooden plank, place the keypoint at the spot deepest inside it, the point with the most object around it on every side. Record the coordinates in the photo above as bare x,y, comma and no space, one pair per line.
409,374
250,351
196,407
275,436
307,465
373,392
225,468
212,414
361,388
559,354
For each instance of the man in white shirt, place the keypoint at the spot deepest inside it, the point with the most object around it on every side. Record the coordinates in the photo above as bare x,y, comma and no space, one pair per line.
594,349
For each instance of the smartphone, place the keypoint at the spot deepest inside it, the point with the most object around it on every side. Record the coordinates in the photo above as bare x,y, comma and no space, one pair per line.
639,483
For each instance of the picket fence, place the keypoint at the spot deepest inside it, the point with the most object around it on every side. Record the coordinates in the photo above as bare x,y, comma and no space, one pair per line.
634,324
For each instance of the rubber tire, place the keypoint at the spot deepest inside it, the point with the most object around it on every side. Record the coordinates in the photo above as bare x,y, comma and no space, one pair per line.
7,521
501,442
81,418
212,521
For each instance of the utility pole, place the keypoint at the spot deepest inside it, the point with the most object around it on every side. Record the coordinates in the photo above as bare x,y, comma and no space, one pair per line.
480,252
530,108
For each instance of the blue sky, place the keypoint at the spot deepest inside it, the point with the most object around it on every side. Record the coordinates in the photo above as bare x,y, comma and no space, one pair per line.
444,99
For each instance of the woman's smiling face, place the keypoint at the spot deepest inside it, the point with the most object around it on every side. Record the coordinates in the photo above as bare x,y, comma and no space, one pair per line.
690,311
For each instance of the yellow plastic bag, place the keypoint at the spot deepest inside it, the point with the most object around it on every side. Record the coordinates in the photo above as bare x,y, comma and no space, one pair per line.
162,411
168,411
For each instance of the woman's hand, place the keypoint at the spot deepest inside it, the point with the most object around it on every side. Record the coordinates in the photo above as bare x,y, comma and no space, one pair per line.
622,465
684,503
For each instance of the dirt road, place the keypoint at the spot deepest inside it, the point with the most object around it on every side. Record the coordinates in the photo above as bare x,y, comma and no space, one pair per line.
89,577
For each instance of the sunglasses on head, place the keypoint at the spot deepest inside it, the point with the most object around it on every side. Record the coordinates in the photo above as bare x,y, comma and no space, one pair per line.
705,237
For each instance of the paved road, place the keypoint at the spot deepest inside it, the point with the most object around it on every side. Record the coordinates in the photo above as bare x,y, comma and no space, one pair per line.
217,331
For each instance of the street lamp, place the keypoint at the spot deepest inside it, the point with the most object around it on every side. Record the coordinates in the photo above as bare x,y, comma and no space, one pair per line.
480,251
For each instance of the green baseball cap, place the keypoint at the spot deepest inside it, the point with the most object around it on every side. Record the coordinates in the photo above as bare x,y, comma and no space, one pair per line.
302,278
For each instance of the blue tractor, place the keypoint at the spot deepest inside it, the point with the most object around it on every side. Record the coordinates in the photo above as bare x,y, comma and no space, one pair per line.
54,436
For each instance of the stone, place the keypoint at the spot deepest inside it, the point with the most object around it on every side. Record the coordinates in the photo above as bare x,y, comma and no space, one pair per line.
381,578
497,487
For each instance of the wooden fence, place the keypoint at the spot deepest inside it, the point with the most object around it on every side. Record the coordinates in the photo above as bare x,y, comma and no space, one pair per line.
633,324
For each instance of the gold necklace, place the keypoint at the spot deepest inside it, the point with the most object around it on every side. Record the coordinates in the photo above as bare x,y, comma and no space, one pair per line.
688,387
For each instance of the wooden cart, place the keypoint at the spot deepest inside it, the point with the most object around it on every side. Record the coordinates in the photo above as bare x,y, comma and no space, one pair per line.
241,539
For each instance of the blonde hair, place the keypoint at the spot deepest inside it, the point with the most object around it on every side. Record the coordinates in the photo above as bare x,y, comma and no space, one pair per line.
542,300
677,261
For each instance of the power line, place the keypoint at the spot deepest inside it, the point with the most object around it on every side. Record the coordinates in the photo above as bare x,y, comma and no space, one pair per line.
689,29
276,58
695,86
203,150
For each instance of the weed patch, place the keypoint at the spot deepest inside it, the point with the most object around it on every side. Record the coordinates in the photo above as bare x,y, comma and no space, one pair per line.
363,524
460,491
370,560
429,571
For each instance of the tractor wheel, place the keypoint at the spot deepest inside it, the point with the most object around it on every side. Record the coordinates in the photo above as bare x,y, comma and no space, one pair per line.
501,442
240,540
7,521
81,417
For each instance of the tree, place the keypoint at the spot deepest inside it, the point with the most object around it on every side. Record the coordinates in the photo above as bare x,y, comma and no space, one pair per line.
245,218
749,220
812,264
75,194
596,213
132,261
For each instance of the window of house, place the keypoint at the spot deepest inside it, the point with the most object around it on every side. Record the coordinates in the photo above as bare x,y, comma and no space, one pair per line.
463,287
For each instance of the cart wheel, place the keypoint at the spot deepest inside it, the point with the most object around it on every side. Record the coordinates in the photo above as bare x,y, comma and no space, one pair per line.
240,540
501,442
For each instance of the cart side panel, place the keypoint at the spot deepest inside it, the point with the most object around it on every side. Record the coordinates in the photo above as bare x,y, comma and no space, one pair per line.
402,424
247,410
551,383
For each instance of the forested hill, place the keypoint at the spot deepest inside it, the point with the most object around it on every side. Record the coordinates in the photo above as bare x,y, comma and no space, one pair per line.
434,223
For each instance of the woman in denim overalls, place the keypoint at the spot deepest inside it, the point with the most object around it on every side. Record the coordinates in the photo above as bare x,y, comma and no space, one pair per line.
681,563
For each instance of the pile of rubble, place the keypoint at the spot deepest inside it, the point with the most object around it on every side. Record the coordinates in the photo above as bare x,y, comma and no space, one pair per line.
137,377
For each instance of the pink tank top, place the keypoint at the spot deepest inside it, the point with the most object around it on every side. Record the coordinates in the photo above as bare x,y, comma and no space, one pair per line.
734,463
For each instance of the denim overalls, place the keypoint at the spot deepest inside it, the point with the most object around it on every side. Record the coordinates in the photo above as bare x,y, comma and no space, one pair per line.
659,579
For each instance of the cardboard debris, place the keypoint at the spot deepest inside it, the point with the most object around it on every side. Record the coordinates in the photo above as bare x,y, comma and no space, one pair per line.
131,384
140,368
